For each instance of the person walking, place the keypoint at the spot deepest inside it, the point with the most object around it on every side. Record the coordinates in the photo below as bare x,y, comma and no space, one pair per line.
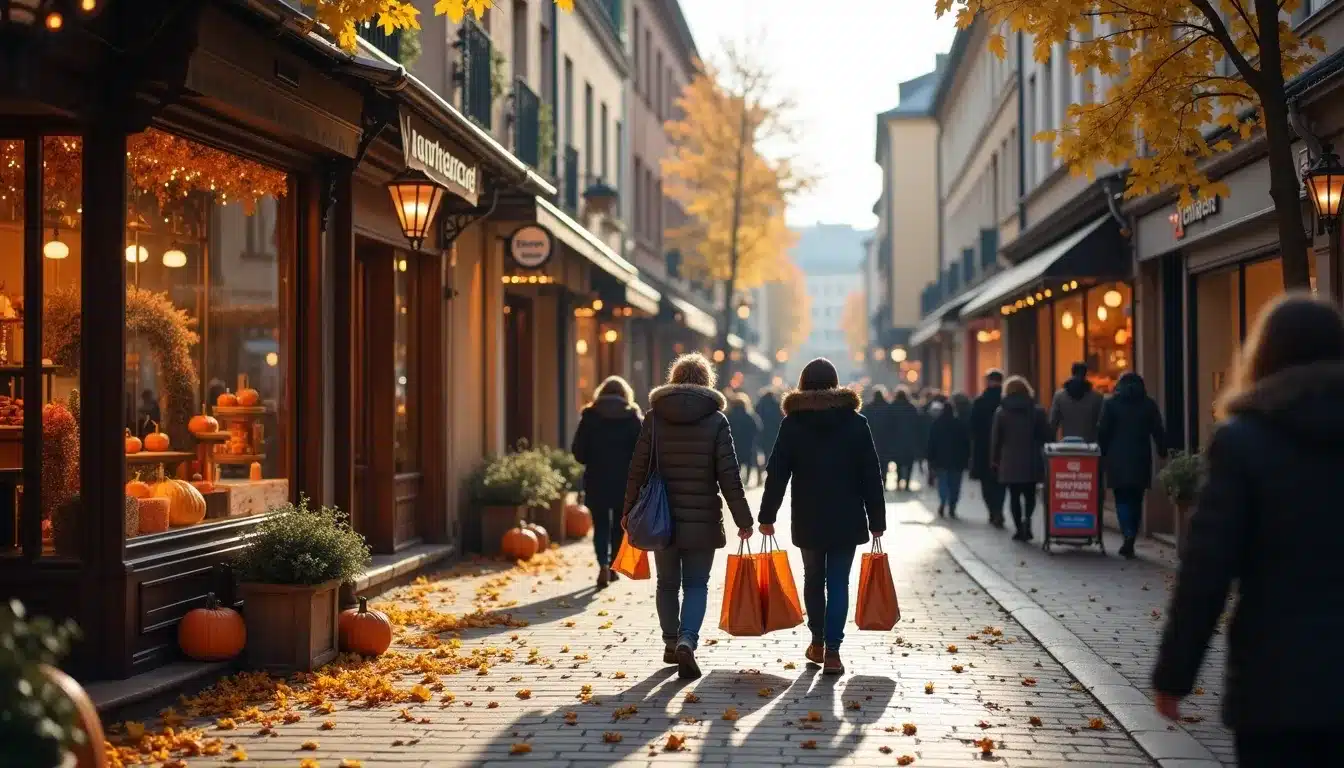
604,443
949,454
697,463
767,410
1017,451
982,424
826,448
1268,519
878,413
1075,410
907,434
1129,420
746,429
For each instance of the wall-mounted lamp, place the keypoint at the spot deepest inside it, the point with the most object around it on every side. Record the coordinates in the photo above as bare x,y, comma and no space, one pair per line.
416,198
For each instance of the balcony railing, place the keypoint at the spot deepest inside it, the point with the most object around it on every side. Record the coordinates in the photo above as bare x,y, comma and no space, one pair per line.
967,266
526,124
570,201
473,75
388,44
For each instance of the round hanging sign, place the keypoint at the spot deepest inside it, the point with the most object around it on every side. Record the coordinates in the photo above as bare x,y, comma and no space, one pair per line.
530,246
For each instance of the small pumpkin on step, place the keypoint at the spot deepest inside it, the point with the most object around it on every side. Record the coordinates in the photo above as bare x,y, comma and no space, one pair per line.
364,631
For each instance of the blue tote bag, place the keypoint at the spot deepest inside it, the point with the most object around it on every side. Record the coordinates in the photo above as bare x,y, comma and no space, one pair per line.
649,525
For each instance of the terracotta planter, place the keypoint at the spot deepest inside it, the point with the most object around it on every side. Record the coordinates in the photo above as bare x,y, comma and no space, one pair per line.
295,627
552,518
495,521
90,754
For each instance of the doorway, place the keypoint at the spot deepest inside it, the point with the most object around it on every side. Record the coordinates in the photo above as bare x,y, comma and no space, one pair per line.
518,369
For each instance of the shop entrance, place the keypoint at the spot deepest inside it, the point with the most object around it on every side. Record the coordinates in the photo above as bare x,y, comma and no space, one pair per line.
518,369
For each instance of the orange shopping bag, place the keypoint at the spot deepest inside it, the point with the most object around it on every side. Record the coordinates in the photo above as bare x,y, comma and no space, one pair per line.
742,614
877,607
779,592
630,562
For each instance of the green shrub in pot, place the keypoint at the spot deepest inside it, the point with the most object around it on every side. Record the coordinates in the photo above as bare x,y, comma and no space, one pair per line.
564,462
521,479
1181,476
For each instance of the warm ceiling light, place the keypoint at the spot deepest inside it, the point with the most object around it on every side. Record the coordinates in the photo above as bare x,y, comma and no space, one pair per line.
1031,302
912,375
416,198
1047,293
55,250
611,336
982,337
597,305
1073,284
88,6
54,21
581,346
898,354
137,254
782,356
1102,314
272,359
1112,298
1039,296
401,265
743,311
1121,337
718,355
1066,320
174,258
1079,330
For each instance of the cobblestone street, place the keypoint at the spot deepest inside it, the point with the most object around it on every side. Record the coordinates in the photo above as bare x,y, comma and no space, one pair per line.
583,683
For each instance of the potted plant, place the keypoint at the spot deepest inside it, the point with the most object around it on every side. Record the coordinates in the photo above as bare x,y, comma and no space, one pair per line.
505,487
552,516
1180,480
46,719
289,577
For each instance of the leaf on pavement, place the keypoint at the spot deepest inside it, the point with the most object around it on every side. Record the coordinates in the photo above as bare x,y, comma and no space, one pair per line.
730,714
521,748
675,742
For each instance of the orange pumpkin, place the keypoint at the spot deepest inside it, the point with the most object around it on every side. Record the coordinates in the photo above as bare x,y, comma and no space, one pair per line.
186,505
578,521
133,444
202,423
543,537
153,515
227,399
519,544
363,631
212,633
138,489
248,397
156,441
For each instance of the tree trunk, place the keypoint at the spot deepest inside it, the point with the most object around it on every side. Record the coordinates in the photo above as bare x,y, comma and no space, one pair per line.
730,285
1284,187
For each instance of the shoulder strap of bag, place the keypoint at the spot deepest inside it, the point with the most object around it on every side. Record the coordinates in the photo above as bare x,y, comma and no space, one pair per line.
653,442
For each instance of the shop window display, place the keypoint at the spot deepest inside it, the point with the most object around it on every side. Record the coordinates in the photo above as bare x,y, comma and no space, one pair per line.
404,433
1110,334
585,357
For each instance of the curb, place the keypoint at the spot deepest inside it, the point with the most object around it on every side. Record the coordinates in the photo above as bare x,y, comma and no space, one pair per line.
1120,698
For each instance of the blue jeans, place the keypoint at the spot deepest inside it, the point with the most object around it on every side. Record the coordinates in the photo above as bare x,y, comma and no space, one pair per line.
826,593
949,487
687,571
1129,510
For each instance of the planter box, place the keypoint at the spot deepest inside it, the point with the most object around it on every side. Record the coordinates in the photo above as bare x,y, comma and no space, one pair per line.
495,521
552,518
294,627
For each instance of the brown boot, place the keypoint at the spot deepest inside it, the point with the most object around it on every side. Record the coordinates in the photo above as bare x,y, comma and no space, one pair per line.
833,665
687,669
603,577
670,654
815,653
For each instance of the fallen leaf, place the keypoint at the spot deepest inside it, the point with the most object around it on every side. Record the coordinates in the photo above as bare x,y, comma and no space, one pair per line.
951,649
905,760
813,717
986,746
310,746
225,724
292,717
982,725
1096,724
327,725
958,668
928,687
885,750
309,762
853,705
674,743
1199,691
571,718
612,737
492,705
691,698
1191,719
624,712
520,749
909,729
524,694
351,762
1029,681
730,713
421,693
809,744
765,693
790,665
1035,721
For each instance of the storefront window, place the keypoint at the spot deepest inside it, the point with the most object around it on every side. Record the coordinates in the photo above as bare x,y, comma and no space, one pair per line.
1070,327
404,433
988,352
207,236
585,355
12,205
1110,334
1218,322
1040,378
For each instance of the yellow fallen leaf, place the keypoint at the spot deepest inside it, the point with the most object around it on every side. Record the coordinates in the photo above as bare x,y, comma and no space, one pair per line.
327,725
790,665
225,724
986,746
928,687
730,713
238,756
351,762
691,698
310,746
524,694
292,717
421,693
617,675
624,712
134,730
520,749
674,743
309,762
765,693
1096,724
605,625
951,649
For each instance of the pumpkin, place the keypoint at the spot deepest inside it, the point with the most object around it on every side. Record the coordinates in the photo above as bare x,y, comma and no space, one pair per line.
133,444
519,544
89,752
363,631
212,633
203,423
543,538
156,441
186,505
153,515
578,521
138,489
227,399
248,397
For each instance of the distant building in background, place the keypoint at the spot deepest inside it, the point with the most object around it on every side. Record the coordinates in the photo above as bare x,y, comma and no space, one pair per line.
831,257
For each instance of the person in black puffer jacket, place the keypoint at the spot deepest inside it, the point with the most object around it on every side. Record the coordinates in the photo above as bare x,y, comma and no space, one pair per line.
826,448
1016,450
982,424
907,436
604,444
693,452
1129,419
746,427
1268,518
878,413
949,455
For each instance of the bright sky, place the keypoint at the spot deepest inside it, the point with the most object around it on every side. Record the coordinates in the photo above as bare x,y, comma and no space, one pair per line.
842,62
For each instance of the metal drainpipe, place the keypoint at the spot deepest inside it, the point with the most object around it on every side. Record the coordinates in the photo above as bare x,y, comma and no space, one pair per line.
563,315
1022,138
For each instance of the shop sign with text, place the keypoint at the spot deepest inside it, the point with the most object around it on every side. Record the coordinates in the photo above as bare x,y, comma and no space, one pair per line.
530,246
440,159
1189,214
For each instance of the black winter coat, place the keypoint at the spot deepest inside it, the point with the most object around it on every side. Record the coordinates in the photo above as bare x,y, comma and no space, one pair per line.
604,444
746,432
949,442
982,425
825,446
696,460
1017,440
1129,419
767,410
880,418
907,431
1268,518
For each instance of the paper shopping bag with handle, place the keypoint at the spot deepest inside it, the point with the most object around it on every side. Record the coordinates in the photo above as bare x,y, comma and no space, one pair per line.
779,592
630,562
741,614
877,608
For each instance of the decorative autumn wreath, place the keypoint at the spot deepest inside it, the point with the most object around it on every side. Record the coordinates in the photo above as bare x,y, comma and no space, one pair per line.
167,329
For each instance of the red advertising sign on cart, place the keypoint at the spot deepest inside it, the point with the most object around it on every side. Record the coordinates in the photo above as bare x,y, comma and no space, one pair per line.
1073,496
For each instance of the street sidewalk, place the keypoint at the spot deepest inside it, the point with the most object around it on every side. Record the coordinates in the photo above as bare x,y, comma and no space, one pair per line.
1115,607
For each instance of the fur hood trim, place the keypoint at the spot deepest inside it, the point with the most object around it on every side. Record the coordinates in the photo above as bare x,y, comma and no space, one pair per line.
801,400
688,389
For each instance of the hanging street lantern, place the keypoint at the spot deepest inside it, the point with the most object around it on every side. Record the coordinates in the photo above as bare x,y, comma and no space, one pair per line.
1325,183
416,198
600,198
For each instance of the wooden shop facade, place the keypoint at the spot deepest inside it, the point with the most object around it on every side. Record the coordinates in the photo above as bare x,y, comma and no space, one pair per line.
204,281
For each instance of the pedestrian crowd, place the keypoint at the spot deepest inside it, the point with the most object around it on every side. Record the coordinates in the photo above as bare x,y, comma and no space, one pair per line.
1261,521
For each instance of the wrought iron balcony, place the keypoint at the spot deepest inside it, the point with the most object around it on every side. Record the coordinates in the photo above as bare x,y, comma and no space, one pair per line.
570,201
388,44
526,124
967,266
473,74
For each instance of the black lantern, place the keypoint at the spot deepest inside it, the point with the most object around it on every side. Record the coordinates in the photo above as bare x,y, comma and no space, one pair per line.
600,198
416,198
1325,183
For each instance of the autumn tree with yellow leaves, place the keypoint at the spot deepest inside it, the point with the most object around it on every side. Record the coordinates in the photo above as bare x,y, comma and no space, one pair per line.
734,195
854,324
344,17
789,310
1189,79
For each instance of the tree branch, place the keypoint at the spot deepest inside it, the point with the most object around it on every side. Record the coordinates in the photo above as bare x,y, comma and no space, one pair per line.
1224,38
